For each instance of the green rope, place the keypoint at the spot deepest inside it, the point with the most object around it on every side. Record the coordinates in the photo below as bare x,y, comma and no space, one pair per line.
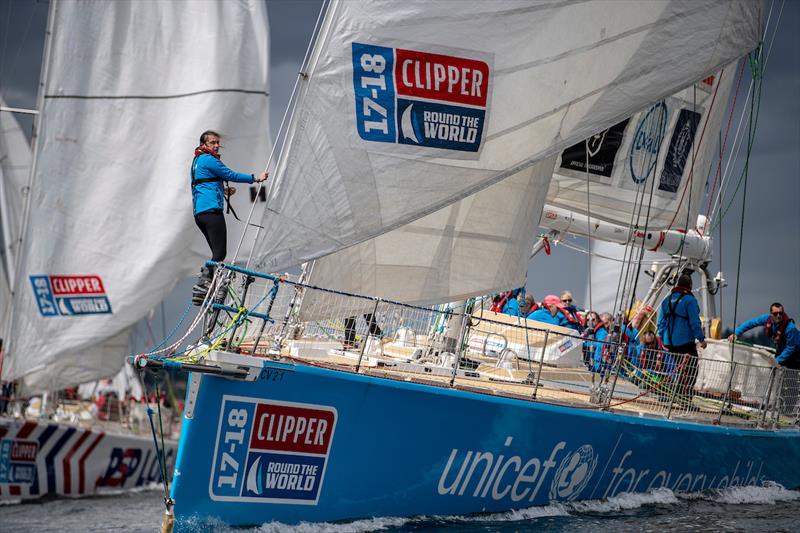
757,72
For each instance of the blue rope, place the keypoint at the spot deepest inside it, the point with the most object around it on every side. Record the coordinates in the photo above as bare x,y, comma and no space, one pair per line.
174,330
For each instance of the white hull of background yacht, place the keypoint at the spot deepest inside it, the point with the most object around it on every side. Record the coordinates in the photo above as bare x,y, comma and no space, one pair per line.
40,458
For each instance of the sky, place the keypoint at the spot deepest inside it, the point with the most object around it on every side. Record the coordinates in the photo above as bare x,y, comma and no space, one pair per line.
770,244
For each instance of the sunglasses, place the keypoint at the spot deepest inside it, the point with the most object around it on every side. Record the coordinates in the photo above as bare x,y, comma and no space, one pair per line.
777,313
566,300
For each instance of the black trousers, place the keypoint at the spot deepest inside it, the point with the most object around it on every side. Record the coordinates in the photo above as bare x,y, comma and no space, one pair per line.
350,327
688,376
212,224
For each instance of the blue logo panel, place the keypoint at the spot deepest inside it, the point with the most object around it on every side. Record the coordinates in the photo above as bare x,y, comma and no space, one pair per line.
84,305
680,146
373,81
233,441
283,476
440,125
44,295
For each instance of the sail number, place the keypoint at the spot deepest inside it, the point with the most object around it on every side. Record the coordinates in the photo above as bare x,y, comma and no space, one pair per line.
374,91
232,446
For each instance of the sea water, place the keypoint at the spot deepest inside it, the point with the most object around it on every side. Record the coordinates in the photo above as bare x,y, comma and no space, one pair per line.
747,509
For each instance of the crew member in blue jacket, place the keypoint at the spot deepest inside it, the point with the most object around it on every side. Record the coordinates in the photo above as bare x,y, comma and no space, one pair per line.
208,198
781,330
679,327
603,352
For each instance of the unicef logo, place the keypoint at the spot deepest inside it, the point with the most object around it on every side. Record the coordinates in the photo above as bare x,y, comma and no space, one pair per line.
573,474
646,142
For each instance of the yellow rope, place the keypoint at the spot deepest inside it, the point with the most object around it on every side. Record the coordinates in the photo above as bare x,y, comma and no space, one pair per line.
196,358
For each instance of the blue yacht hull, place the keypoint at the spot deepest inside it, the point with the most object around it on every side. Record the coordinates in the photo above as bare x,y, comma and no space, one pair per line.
308,444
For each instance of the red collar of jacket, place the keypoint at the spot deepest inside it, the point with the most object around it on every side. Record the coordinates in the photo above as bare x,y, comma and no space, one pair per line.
203,150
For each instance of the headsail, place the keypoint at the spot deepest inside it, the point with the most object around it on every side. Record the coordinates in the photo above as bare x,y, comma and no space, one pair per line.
15,163
410,107
478,245
667,147
110,230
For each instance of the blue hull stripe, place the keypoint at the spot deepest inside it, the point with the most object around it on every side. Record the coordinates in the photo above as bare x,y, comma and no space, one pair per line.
43,438
48,461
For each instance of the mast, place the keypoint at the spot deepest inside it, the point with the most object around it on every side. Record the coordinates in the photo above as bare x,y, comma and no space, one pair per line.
37,124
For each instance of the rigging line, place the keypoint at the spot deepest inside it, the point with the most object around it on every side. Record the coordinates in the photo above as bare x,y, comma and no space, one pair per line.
288,113
646,163
731,158
646,225
756,95
588,218
750,134
696,149
724,142
628,249
688,186
582,250
720,195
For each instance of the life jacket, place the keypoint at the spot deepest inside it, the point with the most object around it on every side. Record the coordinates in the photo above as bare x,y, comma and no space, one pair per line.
499,302
776,330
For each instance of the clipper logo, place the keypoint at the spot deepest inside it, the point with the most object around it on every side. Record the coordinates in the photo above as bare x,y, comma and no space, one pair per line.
70,295
573,474
18,460
271,452
419,98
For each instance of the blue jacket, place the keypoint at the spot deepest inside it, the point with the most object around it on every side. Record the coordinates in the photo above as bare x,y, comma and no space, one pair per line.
600,335
512,307
788,353
543,315
210,195
679,320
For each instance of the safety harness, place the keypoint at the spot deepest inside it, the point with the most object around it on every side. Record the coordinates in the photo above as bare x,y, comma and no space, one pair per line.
672,306
197,181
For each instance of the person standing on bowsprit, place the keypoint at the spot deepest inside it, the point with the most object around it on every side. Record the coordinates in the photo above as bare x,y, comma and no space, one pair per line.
209,196
679,326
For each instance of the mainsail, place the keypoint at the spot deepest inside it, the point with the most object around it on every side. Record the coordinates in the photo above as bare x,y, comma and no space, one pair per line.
130,86
407,108
648,170
357,186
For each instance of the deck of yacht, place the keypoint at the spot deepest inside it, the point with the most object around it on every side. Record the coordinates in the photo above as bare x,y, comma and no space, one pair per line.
531,381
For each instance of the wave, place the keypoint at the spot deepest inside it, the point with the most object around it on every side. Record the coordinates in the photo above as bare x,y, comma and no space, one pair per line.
769,493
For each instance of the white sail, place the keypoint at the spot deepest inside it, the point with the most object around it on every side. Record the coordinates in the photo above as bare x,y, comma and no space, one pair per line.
130,87
610,262
103,359
15,162
667,147
486,89
478,245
